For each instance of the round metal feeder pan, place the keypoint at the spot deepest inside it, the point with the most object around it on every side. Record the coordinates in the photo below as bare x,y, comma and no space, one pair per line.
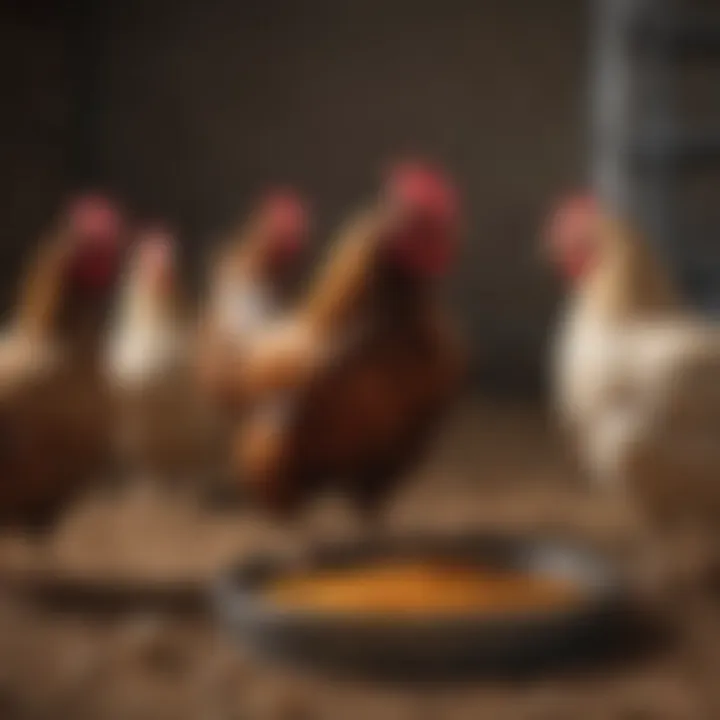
443,647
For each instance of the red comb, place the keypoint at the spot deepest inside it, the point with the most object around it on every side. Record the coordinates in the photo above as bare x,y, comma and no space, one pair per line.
426,236
423,187
568,231
287,209
579,202
96,227
95,218
287,217
571,210
156,234
156,245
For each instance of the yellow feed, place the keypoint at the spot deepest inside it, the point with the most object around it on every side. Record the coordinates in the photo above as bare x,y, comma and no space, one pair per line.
421,587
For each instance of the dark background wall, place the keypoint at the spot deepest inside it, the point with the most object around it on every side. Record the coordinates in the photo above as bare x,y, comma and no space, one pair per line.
35,118
196,106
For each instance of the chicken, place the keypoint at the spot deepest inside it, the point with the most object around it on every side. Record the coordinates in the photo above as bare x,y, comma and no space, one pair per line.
53,401
637,374
350,388
249,284
165,427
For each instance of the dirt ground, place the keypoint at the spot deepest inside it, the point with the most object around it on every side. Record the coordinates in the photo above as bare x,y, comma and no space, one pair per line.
498,466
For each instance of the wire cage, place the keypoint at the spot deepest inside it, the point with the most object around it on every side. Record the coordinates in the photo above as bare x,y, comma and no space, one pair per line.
656,129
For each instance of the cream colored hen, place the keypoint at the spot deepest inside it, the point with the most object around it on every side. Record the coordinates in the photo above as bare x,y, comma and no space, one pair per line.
637,375
249,283
165,428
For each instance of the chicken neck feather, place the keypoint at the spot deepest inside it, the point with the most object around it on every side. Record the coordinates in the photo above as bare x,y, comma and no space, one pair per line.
629,281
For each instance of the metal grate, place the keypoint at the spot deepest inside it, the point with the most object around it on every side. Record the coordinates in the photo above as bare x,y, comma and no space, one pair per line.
644,152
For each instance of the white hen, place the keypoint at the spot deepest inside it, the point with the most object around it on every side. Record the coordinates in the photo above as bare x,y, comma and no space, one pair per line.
165,428
248,288
637,377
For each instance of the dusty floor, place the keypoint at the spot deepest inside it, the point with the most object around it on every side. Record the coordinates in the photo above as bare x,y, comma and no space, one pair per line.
496,467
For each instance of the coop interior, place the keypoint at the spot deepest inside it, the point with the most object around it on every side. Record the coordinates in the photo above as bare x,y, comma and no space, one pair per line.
280,277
